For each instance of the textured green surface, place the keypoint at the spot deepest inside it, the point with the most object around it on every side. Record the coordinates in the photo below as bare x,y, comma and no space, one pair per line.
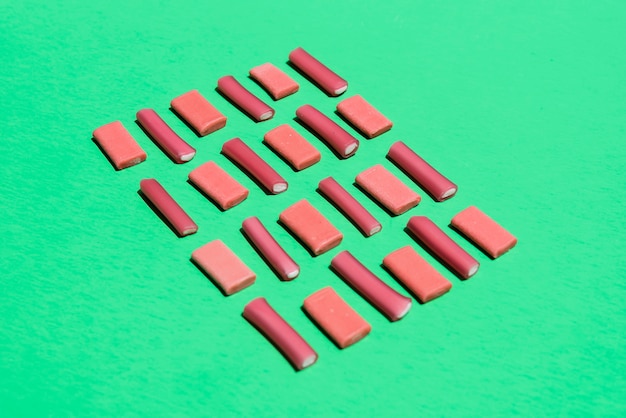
523,104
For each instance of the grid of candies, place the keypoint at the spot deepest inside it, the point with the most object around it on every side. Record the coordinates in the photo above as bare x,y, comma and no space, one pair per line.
331,313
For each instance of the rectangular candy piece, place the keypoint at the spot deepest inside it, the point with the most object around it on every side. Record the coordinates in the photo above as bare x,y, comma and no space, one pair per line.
117,143
344,144
255,166
387,189
338,320
431,180
242,98
389,302
264,318
416,274
321,75
274,81
218,185
270,250
167,206
483,231
347,204
364,116
442,247
311,227
223,266
173,145
201,115
292,146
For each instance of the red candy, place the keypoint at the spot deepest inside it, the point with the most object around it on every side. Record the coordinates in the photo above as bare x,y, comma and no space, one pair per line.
167,206
435,184
246,158
246,101
173,145
297,351
277,83
416,274
442,246
325,78
483,231
344,144
338,320
201,115
360,216
389,302
364,116
272,252
119,145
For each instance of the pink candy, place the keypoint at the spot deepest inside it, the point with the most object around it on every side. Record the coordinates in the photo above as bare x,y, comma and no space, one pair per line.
223,266
117,143
277,83
479,228
311,227
292,146
387,189
363,116
201,115
218,185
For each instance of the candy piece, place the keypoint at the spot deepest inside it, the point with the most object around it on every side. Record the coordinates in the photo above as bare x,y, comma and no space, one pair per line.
344,144
364,116
218,185
203,117
295,349
387,189
310,227
431,180
442,247
416,274
255,166
347,204
223,266
118,145
172,144
292,146
277,83
321,75
167,206
338,320
483,231
242,98
389,302
270,250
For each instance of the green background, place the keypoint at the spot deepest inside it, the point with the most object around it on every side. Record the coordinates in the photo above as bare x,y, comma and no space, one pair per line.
521,103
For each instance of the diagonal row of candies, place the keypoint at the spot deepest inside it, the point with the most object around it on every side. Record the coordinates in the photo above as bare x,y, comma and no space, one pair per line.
338,320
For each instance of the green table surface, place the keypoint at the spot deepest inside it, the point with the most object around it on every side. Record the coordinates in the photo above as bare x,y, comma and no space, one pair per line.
521,103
